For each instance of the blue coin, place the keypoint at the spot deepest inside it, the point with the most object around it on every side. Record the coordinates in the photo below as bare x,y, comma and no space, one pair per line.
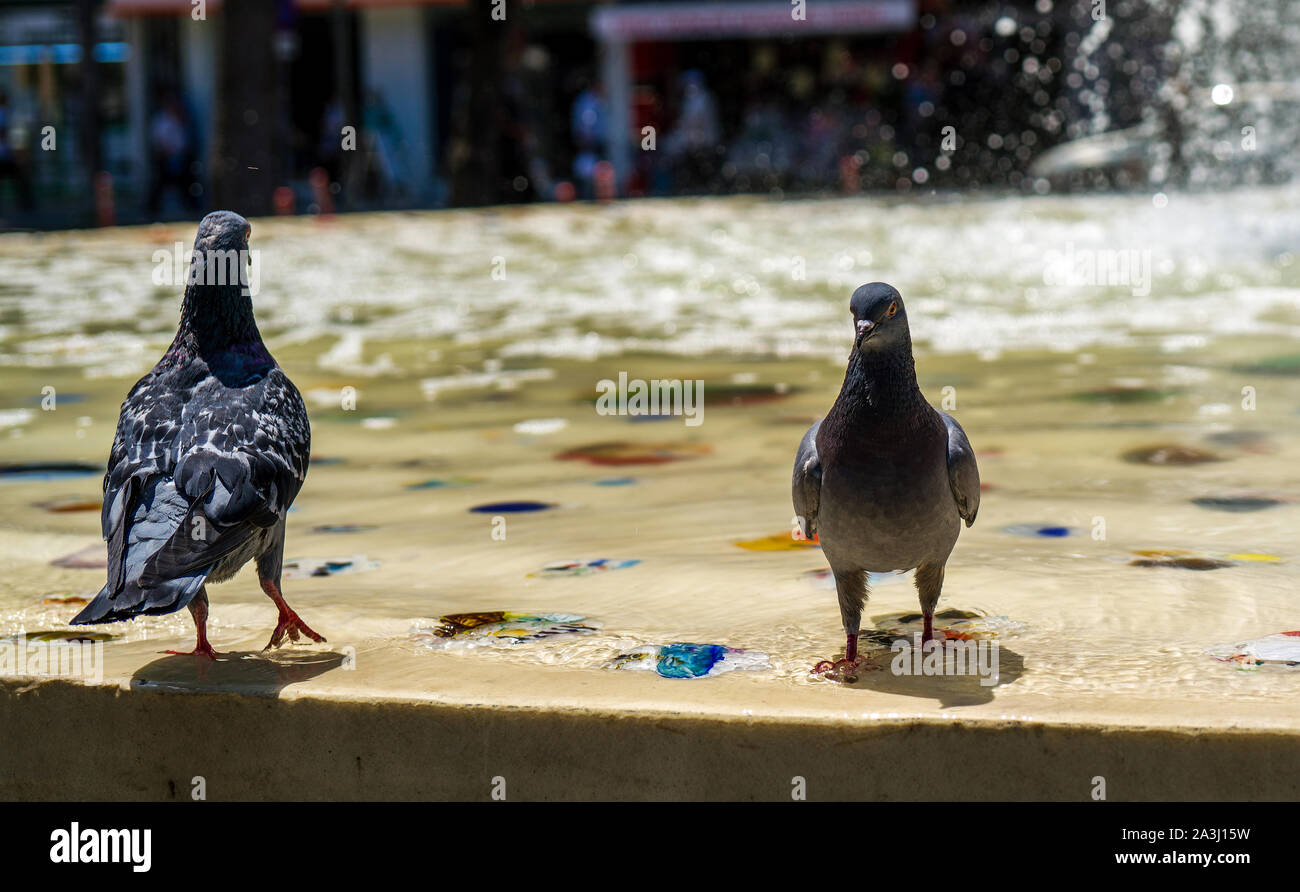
511,507
1047,531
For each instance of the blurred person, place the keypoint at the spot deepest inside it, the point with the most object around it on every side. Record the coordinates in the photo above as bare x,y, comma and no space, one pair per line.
329,148
171,148
819,157
525,116
921,98
692,146
649,175
588,119
13,153
383,138
764,151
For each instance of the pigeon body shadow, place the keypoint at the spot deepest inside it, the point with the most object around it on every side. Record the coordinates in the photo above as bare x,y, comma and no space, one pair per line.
252,673
949,690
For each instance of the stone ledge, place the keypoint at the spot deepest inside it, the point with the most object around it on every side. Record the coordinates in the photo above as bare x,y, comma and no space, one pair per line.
68,741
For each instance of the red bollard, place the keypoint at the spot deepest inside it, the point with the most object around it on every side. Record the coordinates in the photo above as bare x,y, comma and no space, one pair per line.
105,213
283,201
850,178
319,179
606,184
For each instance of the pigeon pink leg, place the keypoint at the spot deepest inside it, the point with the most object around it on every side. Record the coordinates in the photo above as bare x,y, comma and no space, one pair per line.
290,622
199,610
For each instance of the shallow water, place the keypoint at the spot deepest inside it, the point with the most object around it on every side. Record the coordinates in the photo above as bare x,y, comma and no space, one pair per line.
473,390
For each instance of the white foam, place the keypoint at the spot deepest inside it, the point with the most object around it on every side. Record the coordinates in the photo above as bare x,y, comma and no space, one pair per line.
738,276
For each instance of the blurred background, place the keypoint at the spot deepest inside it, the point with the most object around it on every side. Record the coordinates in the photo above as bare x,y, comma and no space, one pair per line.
118,111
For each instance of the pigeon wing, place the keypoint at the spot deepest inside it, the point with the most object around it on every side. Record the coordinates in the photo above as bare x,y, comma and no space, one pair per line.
142,449
963,473
249,461
806,484
142,508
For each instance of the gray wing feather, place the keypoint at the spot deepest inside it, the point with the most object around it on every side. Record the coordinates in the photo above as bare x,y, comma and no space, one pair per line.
963,473
158,510
806,484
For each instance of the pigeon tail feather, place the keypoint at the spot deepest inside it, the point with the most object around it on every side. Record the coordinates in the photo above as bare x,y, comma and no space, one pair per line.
158,513
134,600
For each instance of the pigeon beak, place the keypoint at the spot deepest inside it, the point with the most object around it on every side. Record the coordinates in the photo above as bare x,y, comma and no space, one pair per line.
865,328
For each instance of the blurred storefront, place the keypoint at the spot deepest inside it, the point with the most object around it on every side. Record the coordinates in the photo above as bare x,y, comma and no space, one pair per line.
558,99
396,70
654,51
361,63
45,133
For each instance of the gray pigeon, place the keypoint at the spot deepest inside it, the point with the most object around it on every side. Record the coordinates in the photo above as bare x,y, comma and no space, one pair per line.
884,480
211,448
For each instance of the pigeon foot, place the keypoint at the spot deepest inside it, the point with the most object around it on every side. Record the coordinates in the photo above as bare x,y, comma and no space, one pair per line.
291,624
845,667
849,668
846,670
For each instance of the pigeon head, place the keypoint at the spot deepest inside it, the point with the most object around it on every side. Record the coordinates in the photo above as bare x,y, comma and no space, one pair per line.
218,308
223,231
879,319
219,263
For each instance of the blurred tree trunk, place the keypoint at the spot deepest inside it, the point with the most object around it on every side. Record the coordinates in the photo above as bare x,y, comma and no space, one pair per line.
87,13
476,161
244,174
351,165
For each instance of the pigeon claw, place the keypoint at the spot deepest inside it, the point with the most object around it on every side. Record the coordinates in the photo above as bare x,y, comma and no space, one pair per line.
844,670
291,624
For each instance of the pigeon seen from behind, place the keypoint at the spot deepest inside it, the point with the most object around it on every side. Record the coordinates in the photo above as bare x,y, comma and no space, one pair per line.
211,449
884,480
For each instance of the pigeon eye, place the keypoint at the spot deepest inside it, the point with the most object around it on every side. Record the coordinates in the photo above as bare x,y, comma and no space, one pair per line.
893,308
